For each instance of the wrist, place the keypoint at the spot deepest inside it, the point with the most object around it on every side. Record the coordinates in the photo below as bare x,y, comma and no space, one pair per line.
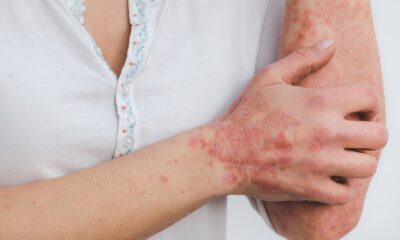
205,143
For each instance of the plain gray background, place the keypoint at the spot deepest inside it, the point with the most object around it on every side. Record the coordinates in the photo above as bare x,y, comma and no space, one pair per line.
381,214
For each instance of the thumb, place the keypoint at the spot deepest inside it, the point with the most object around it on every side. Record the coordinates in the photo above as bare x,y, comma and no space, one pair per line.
302,62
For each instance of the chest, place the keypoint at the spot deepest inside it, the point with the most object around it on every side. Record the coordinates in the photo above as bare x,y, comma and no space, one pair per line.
108,22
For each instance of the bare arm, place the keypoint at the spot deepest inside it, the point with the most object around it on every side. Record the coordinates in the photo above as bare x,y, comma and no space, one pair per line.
131,197
356,61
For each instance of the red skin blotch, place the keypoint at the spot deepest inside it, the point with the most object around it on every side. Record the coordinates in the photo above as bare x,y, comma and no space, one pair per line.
319,139
281,142
230,177
174,161
246,147
164,179
316,102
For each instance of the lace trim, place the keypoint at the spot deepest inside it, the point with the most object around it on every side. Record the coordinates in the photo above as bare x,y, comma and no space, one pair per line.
139,38
77,8
124,95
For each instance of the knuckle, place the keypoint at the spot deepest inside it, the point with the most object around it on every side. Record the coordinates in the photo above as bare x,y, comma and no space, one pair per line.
267,71
306,189
340,195
383,136
311,192
324,132
340,134
321,136
379,135
343,197
371,167
266,74
317,165
371,93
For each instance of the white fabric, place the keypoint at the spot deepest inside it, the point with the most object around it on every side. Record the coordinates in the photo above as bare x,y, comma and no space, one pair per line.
63,110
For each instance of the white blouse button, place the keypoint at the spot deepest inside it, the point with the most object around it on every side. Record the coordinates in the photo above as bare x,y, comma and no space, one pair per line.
128,142
125,89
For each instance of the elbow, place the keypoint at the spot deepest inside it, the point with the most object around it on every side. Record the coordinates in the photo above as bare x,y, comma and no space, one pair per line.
318,231
310,221
335,229
342,224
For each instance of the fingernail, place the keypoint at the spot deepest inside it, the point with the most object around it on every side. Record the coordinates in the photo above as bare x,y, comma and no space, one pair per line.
325,44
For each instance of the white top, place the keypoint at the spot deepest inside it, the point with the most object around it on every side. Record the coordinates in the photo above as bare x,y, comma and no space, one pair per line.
62,109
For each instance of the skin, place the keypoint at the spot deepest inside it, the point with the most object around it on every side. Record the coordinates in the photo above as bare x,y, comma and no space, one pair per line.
108,22
277,142
356,62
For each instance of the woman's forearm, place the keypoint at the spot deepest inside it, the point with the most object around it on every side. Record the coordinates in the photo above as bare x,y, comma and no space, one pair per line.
131,197
350,24
356,61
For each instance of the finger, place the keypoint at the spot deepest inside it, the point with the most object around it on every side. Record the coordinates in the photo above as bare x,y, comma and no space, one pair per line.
363,135
329,192
355,99
351,164
302,62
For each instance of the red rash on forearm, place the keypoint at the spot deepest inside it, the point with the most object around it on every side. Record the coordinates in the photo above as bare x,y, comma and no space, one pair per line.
229,143
349,23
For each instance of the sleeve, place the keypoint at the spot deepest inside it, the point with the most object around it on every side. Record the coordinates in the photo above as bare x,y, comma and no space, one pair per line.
259,206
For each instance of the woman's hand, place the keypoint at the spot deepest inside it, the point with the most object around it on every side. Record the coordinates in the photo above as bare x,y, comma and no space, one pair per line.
280,142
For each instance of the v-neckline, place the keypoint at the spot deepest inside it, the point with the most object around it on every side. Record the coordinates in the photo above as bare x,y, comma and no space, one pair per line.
107,21
138,23
146,25
124,98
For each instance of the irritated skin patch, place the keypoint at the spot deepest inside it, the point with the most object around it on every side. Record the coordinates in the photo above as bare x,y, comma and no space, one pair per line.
349,23
320,137
249,149
356,60
164,179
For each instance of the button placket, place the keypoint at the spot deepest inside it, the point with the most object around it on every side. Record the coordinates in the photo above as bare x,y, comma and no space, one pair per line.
124,95
124,92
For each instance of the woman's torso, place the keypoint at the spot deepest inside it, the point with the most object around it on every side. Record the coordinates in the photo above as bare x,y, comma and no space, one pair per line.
62,109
